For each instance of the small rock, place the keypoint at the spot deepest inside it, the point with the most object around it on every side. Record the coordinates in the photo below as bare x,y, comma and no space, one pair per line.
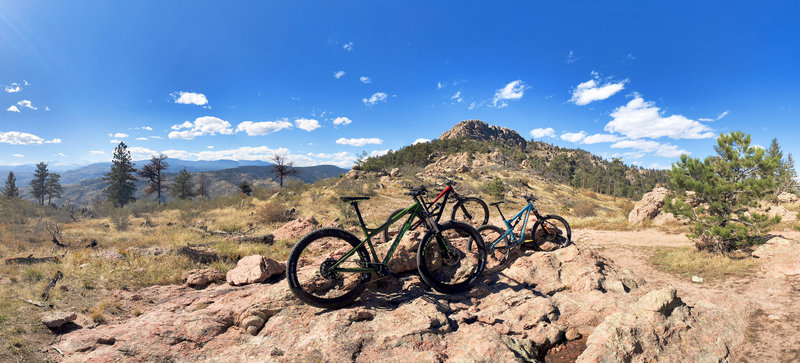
253,269
361,315
106,340
572,334
253,324
697,279
202,277
296,228
58,319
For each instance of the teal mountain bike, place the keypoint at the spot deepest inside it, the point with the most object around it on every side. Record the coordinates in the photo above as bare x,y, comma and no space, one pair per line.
330,267
548,232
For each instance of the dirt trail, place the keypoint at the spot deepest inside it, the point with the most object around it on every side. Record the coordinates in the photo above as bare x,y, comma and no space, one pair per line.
773,332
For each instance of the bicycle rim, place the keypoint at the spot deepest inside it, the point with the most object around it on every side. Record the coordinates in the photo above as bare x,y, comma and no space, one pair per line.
458,271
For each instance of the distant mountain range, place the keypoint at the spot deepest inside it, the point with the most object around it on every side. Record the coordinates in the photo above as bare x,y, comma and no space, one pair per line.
84,183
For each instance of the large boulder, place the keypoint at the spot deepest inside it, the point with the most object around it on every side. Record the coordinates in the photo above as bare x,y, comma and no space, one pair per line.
649,206
661,327
295,229
785,197
780,257
781,211
253,269
202,277
58,319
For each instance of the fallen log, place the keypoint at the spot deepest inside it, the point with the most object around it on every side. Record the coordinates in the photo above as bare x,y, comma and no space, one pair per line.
199,254
267,239
30,260
53,281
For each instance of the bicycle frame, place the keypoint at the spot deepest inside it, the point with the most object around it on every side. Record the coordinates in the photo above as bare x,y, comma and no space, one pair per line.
510,226
441,206
418,209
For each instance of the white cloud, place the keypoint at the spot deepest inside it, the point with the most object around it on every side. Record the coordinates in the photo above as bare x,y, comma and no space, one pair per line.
573,136
591,90
664,150
18,155
210,146
722,115
184,125
360,141
61,154
365,80
121,135
348,46
571,57
598,138
263,128
541,133
27,104
657,166
342,121
640,118
342,159
115,141
379,152
439,85
206,125
338,74
512,91
97,152
141,139
47,108
139,153
12,108
53,141
20,138
148,128
307,124
705,119
457,97
13,88
420,140
375,98
189,98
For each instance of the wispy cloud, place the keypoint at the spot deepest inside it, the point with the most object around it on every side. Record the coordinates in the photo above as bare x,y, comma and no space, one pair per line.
141,139
457,97
348,46
263,128
360,141
338,74
598,138
641,119
26,104
512,91
591,90
13,108
307,124
722,115
24,138
342,121
18,155
375,98
663,150
572,58
573,136
541,133
189,98
420,140
206,125
97,152
365,80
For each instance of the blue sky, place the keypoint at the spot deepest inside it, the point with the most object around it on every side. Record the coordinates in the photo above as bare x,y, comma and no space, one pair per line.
243,80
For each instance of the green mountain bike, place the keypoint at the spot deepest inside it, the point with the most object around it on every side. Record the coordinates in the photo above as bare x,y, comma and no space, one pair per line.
330,267
548,231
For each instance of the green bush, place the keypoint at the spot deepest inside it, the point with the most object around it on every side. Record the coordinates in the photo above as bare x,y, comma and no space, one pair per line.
496,188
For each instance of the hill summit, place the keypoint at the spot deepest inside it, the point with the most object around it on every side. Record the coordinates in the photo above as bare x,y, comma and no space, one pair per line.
482,131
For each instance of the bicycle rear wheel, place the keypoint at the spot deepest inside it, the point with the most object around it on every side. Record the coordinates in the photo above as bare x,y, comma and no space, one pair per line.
471,210
455,272
552,232
310,271
497,249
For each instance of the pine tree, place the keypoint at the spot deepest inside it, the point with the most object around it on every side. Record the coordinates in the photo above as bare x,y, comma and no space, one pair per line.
11,190
787,177
152,172
182,187
245,187
53,187
728,187
282,168
39,182
120,187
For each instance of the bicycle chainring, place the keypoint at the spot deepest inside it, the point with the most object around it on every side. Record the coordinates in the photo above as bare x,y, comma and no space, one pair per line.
326,270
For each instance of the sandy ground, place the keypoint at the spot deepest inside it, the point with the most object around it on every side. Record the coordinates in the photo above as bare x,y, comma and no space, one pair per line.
771,304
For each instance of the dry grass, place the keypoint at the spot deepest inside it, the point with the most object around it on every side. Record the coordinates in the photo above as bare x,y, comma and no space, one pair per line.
687,261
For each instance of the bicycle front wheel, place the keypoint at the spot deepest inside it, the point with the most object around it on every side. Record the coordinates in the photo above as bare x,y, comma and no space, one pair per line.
314,276
552,232
453,272
497,249
471,210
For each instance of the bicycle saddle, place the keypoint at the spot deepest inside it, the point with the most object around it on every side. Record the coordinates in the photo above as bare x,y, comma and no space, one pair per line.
351,199
531,198
497,203
417,191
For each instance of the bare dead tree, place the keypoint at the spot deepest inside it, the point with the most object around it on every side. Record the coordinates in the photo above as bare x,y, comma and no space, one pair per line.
152,172
282,168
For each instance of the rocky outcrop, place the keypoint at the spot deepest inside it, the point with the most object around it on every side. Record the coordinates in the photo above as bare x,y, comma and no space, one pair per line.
781,211
538,303
482,131
202,277
649,206
253,269
780,257
661,327
295,229
58,319
785,198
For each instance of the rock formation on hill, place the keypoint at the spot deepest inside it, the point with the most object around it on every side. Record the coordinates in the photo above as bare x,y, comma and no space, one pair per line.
482,131
540,302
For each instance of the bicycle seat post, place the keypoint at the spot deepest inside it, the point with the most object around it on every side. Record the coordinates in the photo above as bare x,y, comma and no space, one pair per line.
358,213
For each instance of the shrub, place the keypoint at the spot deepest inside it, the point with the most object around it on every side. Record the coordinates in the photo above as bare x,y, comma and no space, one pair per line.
120,219
272,212
496,188
585,209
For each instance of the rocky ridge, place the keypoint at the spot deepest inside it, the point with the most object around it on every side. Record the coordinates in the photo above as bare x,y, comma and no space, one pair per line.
482,131
540,302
